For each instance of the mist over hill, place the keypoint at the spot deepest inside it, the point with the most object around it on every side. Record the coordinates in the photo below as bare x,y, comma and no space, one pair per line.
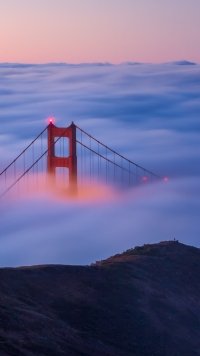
143,302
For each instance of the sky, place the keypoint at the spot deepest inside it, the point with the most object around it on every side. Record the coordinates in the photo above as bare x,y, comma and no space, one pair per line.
149,113
74,31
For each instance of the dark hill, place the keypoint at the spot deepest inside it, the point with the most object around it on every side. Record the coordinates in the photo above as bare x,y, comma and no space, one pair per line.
184,63
145,301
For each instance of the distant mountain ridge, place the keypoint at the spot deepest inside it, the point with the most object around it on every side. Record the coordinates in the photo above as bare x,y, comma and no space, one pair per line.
184,63
143,302
92,64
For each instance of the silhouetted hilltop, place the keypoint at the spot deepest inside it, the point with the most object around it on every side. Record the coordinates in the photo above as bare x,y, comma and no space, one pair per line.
145,301
184,63
163,249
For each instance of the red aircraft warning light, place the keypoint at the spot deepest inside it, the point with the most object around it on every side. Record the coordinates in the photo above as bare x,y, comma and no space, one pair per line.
144,179
166,179
51,120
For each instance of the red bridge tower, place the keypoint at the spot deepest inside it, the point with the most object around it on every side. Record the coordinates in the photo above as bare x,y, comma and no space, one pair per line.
69,162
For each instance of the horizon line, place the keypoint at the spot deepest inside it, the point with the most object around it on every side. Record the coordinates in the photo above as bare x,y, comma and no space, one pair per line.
180,62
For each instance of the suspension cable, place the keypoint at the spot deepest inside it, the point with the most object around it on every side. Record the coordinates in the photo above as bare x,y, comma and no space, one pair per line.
118,154
5,169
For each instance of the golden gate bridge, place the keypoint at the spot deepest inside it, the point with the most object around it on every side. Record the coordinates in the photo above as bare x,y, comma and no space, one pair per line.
70,156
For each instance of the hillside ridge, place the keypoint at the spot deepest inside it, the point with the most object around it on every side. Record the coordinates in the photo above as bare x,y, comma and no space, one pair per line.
143,302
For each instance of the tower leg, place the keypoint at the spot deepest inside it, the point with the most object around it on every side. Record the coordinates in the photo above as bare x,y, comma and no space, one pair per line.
73,184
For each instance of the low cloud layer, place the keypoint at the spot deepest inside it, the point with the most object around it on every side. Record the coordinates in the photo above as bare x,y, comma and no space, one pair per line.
150,113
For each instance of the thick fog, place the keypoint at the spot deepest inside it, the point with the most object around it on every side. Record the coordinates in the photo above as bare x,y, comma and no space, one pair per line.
149,113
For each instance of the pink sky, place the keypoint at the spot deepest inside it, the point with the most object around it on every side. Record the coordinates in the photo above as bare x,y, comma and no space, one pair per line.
99,30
